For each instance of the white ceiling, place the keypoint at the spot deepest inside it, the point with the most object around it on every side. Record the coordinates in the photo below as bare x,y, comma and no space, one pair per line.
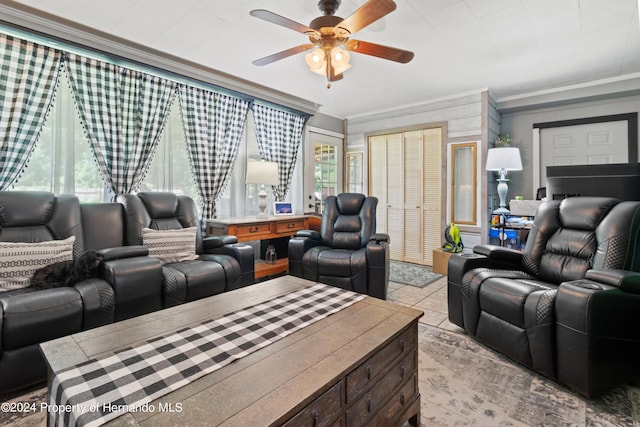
510,47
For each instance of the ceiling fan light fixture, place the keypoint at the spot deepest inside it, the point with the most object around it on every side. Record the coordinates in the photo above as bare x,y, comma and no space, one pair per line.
316,61
340,60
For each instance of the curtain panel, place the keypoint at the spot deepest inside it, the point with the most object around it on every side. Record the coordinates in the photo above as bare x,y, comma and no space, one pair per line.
124,112
279,135
214,125
27,88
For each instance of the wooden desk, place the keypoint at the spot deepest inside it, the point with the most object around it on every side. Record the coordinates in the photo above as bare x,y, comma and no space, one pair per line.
356,367
251,228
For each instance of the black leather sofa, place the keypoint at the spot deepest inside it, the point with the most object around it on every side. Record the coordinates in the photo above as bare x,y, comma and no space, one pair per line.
568,305
129,282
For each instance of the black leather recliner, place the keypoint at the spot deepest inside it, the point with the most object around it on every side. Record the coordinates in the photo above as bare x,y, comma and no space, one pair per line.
347,253
31,315
136,279
569,305
222,264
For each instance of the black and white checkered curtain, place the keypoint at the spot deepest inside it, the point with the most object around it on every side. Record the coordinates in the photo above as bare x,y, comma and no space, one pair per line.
214,125
124,112
279,135
29,77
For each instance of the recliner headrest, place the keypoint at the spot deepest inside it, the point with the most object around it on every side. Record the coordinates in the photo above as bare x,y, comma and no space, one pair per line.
350,203
160,205
585,213
23,209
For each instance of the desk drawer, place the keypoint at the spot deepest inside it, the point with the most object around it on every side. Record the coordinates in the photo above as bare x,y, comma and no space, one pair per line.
289,226
377,397
398,404
322,411
253,230
368,372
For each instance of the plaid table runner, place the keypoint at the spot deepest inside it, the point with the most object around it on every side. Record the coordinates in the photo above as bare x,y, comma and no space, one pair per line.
97,391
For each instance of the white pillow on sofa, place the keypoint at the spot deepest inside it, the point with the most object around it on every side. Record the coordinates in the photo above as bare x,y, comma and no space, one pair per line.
171,245
19,260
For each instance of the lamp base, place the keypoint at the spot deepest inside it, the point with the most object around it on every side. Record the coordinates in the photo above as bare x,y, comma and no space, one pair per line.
262,203
503,189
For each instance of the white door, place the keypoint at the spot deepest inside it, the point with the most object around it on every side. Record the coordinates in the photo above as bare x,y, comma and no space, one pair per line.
395,195
412,189
323,168
588,144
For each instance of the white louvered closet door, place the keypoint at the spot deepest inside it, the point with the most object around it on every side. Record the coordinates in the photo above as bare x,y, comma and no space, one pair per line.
395,191
378,178
413,155
432,193
405,174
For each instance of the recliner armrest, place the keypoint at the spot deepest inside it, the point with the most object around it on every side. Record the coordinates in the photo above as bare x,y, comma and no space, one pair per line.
628,281
137,284
121,252
241,252
310,234
379,237
378,254
98,299
215,242
298,245
499,253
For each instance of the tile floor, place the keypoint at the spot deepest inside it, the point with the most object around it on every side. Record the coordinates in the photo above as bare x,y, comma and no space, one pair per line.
432,300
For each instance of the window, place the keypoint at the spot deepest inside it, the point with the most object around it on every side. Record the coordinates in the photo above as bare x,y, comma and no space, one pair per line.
463,183
325,173
62,161
169,169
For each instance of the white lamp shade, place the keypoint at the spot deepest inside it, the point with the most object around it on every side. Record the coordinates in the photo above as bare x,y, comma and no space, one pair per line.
262,173
504,158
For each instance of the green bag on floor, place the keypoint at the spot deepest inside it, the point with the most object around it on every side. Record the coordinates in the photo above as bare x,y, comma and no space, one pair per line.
453,242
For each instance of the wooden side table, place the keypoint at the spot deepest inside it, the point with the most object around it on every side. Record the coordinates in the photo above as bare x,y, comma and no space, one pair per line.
441,261
251,228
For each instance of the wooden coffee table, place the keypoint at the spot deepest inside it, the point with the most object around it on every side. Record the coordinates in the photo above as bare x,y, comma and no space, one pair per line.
356,367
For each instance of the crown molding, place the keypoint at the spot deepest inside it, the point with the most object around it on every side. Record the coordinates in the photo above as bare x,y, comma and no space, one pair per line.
49,29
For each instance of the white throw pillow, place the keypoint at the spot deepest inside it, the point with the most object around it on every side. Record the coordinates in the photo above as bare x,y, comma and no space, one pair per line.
171,245
19,260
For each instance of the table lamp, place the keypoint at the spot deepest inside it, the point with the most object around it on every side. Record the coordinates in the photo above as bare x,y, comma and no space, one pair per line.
503,159
262,173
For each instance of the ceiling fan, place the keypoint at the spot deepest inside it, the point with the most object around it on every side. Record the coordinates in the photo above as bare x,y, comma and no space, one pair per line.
330,36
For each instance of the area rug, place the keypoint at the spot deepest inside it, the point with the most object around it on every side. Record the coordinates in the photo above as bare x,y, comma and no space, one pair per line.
412,274
464,383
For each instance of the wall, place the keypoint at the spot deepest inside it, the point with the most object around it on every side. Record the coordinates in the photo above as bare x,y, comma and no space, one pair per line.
519,125
326,122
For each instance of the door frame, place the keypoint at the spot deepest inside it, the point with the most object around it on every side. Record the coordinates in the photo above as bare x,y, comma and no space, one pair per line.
309,164
632,137
444,143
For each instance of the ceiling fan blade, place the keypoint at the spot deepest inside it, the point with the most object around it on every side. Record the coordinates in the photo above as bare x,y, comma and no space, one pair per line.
384,52
367,14
281,20
284,54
